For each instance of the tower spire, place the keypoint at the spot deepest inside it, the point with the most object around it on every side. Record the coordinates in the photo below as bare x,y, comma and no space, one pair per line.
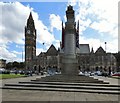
63,30
30,22
62,24
77,35
30,16
78,26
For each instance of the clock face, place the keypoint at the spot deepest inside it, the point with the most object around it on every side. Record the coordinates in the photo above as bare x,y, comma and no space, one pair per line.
28,31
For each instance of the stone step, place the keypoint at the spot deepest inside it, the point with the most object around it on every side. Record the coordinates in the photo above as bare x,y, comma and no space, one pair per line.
61,77
62,90
65,86
73,81
75,84
67,78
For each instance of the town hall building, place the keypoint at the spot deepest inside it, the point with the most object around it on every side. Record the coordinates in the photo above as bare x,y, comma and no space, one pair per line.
88,59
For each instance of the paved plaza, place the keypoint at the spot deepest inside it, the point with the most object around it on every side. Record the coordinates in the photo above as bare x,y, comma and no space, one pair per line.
32,95
26,95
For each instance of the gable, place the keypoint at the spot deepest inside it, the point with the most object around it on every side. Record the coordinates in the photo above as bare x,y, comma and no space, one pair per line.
100,50
52,51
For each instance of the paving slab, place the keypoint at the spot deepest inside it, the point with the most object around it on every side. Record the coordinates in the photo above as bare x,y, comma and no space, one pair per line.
16,80
24,95
32,95
112,81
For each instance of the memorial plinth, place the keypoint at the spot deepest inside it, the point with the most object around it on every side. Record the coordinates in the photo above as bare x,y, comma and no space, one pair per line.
69,65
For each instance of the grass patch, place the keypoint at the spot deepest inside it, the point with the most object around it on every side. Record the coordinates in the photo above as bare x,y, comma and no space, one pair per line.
8,76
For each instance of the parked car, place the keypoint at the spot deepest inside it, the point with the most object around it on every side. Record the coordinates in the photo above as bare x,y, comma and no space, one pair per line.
14,71
28,73
2,70
98,73
81,73
92,74
116,74
87,73
105,74
21,72
42,73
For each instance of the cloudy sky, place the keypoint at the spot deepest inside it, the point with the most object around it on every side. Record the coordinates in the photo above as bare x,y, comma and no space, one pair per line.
98,21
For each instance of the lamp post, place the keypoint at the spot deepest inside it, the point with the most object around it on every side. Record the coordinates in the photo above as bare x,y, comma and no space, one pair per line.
43,55
105,46
43,47
105,55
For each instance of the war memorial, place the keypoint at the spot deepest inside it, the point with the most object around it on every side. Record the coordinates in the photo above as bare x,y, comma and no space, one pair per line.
69,80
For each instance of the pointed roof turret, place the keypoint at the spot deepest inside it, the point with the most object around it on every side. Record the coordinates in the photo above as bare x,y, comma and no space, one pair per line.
77,35
78,26
100,50
63,35
62,23
92,51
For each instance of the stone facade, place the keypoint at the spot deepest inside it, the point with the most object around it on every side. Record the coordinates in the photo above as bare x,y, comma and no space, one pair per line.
99,60
77,56
2,63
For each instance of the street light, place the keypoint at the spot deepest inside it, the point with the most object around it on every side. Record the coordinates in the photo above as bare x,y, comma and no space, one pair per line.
43,46
105,46
105,55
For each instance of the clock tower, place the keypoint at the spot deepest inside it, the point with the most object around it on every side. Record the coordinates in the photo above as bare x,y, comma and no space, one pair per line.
30,43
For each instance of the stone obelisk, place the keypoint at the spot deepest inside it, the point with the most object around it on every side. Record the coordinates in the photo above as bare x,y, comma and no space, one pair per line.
69,60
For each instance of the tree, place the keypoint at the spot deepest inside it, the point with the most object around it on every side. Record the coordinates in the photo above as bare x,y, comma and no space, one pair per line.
9,65
22,65
15,64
